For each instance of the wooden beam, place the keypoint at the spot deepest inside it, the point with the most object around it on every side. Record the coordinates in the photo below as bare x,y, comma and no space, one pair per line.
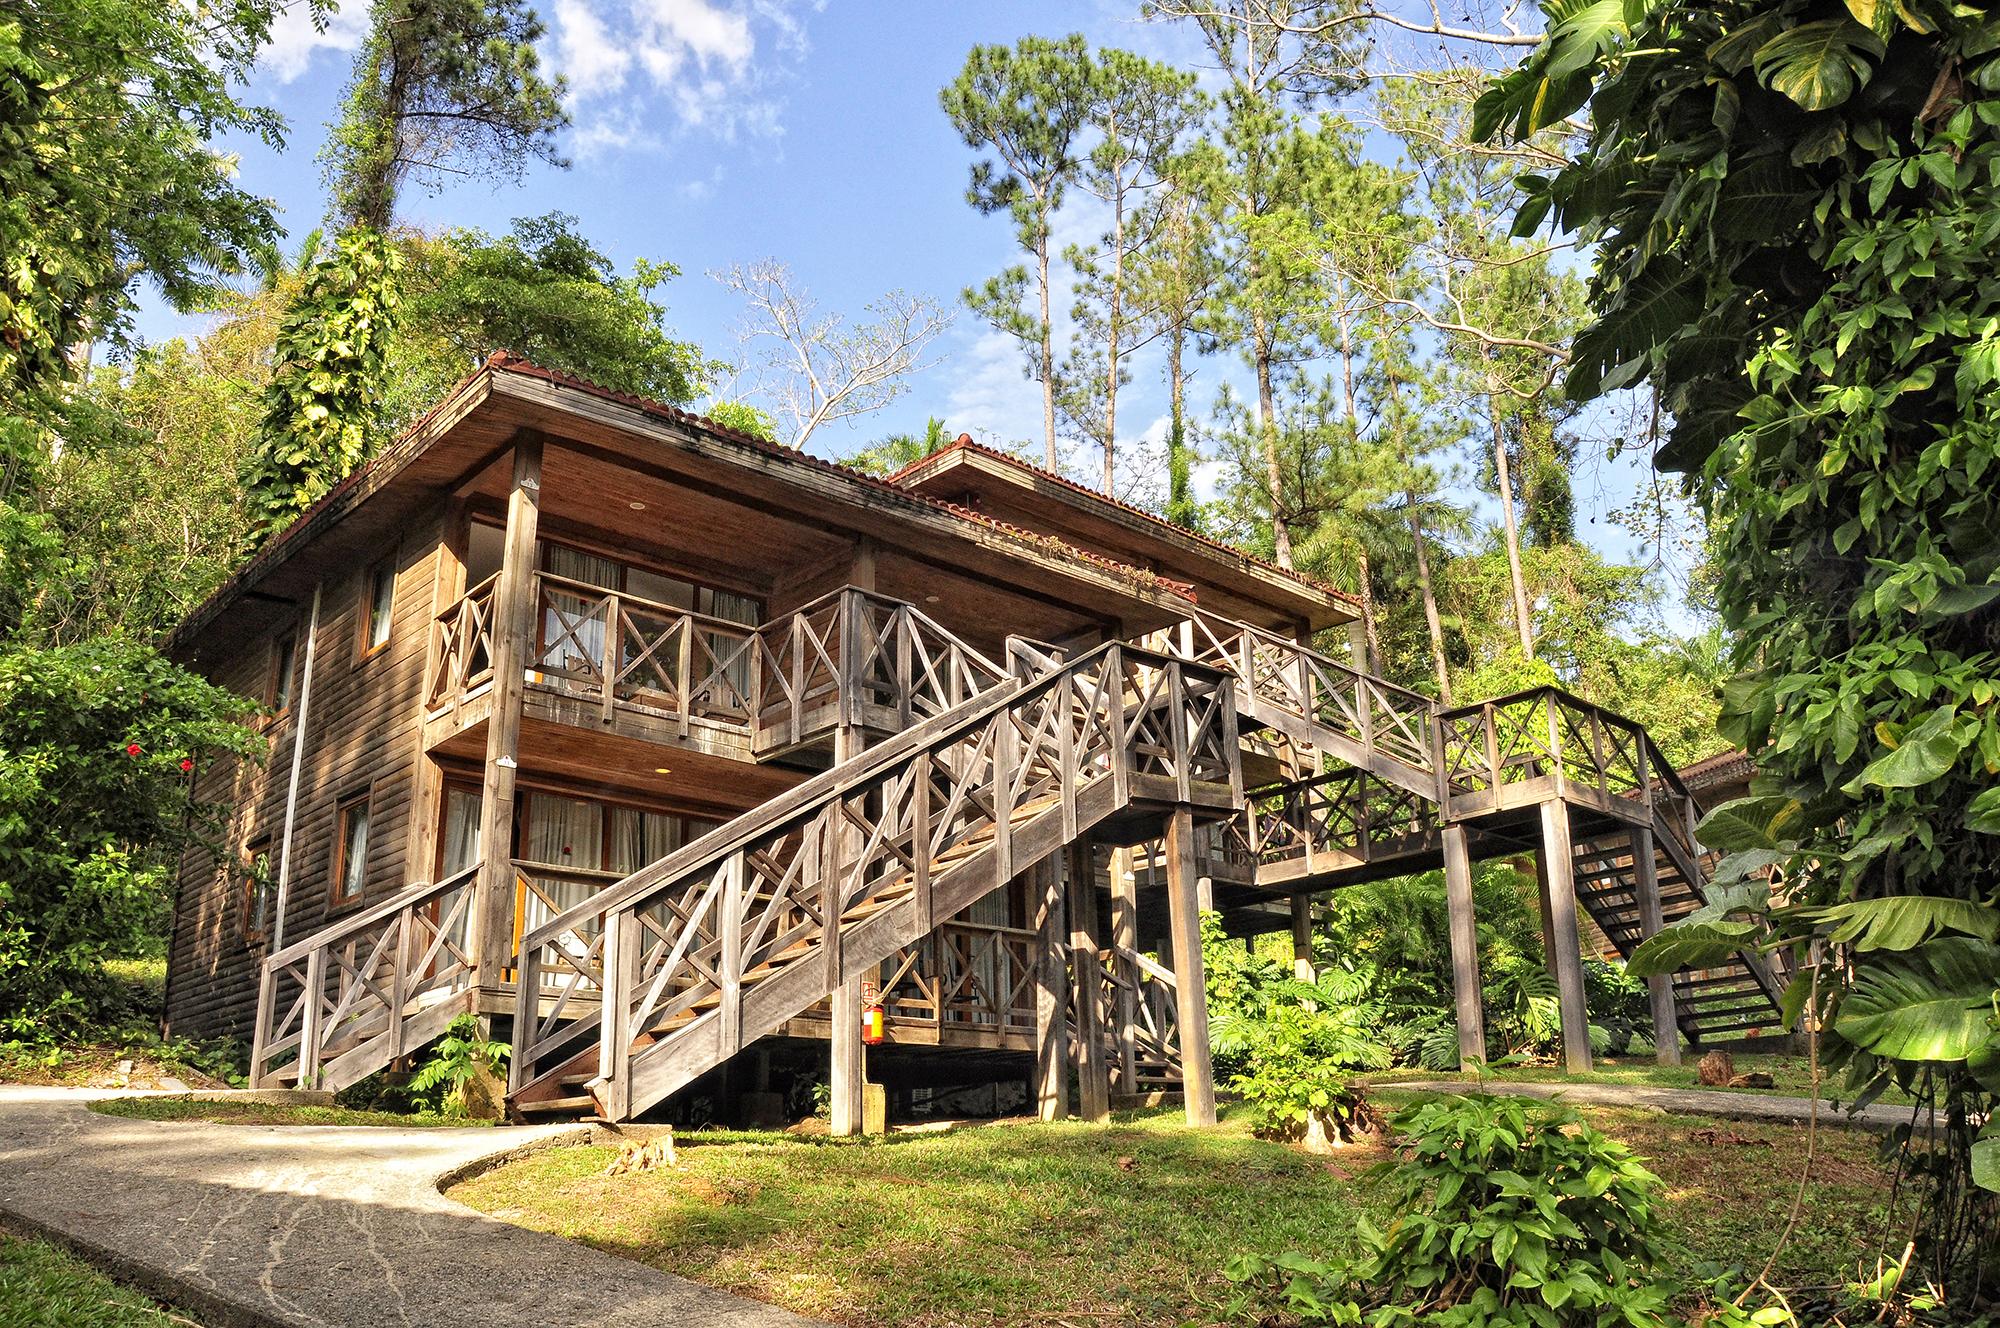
848,1056
1093,1076
1559,868
1190,980
1464,933
1302,939
513,637
1124,942
1659,987
1051,1075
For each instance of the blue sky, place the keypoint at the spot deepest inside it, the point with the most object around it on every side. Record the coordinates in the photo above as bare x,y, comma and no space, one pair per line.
716,132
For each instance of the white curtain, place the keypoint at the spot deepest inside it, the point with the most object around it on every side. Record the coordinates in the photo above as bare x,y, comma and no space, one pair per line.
461,830
568,646
737,609
639,839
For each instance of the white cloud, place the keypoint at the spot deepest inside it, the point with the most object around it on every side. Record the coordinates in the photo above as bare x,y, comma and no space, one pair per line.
708,66
586,53
294,39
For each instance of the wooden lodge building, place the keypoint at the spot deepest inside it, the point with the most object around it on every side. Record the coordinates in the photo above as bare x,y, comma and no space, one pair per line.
688,759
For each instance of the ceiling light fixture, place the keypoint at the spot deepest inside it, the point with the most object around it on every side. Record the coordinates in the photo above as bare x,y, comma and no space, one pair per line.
638,507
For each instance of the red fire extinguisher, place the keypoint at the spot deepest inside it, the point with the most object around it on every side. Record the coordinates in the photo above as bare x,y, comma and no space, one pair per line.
871,1015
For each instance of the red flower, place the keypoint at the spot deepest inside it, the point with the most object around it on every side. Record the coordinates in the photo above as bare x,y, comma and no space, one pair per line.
132,749
187,764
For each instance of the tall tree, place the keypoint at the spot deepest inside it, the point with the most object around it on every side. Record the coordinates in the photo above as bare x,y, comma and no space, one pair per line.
1028,105
1140,109
815,367
1173,280
1794,209
441,88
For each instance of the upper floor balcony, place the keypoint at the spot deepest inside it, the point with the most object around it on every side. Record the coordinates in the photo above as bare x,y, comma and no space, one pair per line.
616,662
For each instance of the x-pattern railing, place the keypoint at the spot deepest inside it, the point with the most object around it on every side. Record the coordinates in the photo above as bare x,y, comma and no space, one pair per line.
387,980
1346,815
463,657
1141,984
754,922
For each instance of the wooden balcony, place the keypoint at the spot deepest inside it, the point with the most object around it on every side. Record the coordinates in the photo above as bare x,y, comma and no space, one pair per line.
617,663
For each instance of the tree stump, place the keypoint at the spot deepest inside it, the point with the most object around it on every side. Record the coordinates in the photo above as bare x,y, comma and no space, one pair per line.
1716,1069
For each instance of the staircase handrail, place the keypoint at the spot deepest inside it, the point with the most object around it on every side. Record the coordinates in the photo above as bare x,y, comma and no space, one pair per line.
335,932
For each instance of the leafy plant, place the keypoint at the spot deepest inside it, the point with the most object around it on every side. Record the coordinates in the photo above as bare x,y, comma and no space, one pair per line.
445,1080
1510,1212
1794,206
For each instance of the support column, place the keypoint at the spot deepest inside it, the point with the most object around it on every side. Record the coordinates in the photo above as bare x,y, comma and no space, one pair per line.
1190,980
1464,948
1051,993
513,634
1559,870
1302,939
847,1066
1125,942
1093,1076
1659,987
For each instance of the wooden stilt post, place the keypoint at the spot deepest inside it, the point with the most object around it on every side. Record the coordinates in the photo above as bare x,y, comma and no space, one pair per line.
1190,981
1051,993
1558,869
1093,1076
513,654
1124,943
847,1069
1464,948
1302,939
1659,987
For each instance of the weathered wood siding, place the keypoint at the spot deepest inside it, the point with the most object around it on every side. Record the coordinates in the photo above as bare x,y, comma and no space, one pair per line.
364,735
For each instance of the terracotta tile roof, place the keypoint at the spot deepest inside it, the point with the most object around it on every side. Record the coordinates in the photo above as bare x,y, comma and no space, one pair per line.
406,445
1722,768
965,443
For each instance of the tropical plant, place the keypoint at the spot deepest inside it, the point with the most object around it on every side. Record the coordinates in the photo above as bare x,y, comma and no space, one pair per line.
1299,1052
447,1078
1509,1212
98,744
1793,205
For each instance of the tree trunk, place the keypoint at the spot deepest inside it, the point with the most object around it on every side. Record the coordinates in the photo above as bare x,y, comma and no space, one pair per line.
1048,349
1373,663
1281,534
1114,314
1431,619
1180,498
1522,622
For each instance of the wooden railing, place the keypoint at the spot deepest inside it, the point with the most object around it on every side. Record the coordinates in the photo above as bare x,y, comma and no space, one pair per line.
1387,728
463,657
725,939
337,1006
967,975
1140,998
849,657
1332,821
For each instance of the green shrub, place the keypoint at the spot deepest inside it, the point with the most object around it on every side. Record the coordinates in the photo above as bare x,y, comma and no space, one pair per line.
1512,1212
445,1083
1297,1045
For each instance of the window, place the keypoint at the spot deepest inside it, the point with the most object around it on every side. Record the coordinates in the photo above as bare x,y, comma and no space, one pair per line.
461,831
379,608
284,655
350,851
259,885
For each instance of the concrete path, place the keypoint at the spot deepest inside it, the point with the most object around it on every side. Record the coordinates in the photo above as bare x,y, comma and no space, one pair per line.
1767,1107
308,1225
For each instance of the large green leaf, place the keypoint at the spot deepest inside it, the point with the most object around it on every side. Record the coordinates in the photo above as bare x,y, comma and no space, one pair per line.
1760,821
1986,1163
1662,301
1923,754
1983,812
1763,199
1903,922
1931,1004
1690,945
1821,64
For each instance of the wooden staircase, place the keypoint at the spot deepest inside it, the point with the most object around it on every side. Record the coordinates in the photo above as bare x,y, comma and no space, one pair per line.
1710,1004
663,976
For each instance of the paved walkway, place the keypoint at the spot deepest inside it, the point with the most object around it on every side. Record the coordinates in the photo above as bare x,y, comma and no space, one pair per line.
1768,1107
308,1225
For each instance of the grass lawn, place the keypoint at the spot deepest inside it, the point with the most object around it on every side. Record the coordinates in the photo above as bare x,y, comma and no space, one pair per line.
264,1113
1024,1223
1791,1075
44,1286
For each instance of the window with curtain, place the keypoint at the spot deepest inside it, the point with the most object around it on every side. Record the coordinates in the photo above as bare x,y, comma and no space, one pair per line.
461,830
570,646
732,690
